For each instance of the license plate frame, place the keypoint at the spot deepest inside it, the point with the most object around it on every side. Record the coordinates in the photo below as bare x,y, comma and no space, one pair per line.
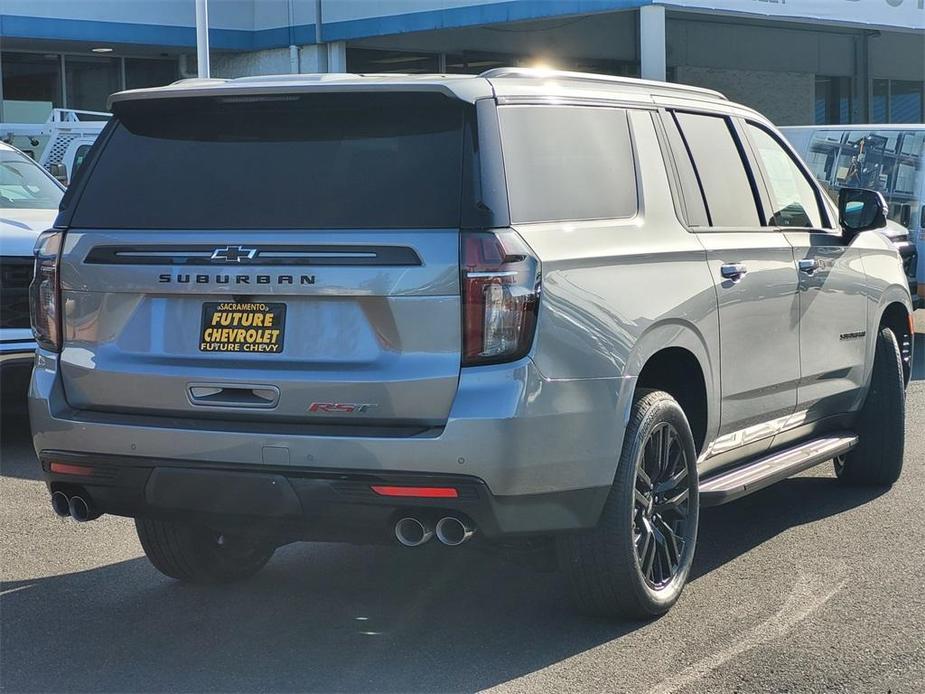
233,327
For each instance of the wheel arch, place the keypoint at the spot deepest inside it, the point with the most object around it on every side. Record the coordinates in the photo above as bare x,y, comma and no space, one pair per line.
897,316
674,357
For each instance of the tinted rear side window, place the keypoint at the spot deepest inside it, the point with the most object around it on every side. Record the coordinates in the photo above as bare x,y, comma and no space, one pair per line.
300,161
568,163
720,170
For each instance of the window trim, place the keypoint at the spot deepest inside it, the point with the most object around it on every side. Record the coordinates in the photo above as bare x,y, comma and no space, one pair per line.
759,194
758,164
677,182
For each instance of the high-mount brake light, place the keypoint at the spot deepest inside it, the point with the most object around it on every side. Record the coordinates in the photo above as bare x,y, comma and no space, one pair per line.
500,292
45,291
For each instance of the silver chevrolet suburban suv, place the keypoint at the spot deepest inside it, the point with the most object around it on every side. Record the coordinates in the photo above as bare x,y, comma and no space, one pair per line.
540,311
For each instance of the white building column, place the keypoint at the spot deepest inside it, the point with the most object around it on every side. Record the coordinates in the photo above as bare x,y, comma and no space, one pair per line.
323,57
337,56
652,56
313,58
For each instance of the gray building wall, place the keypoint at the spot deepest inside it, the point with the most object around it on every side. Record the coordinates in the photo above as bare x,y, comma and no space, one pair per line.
787,98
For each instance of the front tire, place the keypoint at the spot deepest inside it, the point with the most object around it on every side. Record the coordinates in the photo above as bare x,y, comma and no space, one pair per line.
877,460
635,562
196,554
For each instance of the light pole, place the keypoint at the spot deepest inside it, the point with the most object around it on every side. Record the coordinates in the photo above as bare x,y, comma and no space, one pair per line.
202,38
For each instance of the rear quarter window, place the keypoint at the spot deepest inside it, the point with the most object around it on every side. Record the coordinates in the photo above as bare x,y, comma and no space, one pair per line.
568,163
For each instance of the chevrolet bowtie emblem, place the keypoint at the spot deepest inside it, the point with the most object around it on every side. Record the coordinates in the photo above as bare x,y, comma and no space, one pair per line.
234,254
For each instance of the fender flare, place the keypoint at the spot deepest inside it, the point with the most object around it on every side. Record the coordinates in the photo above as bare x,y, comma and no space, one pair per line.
666,334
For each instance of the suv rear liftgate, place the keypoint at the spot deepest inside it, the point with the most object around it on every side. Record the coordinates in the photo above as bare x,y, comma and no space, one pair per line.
212,290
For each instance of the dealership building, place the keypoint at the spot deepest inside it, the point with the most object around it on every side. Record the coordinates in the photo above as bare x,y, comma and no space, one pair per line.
798,61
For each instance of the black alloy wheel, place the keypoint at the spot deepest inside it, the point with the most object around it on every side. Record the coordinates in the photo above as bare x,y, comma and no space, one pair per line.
662,499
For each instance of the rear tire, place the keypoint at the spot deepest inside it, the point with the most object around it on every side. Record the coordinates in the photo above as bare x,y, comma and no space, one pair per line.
877,460
635,562
196,554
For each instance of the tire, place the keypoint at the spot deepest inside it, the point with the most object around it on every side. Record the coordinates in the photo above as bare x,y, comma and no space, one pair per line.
877,460
196,554
612,569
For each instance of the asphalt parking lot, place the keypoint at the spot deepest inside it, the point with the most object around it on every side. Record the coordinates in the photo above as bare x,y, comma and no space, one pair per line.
804,587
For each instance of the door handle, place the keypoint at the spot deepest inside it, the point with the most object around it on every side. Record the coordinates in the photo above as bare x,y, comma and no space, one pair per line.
733,271
808,265
232,395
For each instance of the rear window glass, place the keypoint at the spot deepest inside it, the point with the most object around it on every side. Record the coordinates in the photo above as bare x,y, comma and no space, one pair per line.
291,161
568,163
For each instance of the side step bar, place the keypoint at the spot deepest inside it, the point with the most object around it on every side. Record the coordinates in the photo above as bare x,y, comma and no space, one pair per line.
748,478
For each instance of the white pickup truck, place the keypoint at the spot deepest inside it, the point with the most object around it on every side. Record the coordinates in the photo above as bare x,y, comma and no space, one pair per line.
61,143
29,198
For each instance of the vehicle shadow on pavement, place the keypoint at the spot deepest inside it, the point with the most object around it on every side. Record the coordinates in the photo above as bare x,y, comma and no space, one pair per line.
18,459
339,618
731,530
319,618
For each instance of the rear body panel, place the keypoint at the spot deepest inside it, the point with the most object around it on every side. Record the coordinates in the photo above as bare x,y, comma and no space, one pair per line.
385,333
510,427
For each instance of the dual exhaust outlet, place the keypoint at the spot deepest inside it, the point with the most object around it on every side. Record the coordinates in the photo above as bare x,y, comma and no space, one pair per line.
77,507
412,531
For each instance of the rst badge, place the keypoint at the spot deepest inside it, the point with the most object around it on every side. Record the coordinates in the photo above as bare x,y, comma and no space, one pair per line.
340,407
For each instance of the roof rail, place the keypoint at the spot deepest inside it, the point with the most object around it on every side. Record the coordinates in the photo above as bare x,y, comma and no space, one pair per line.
539,73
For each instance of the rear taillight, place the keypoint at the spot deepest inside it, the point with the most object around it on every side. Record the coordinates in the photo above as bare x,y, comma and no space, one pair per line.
45,293
500,292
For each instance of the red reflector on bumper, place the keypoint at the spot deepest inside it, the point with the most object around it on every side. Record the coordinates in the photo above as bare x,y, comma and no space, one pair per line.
425,492
66,469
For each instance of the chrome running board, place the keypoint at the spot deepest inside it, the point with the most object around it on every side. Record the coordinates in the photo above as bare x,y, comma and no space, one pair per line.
748,478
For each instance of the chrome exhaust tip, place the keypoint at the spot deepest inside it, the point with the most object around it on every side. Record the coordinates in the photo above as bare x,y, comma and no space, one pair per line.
413,532
453,531
79,509
59,504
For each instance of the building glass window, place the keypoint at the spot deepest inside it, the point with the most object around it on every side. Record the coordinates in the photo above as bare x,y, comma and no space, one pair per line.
145,72
90,80
880,100
897,101
33,81
833,100
475,62
906,102
365,60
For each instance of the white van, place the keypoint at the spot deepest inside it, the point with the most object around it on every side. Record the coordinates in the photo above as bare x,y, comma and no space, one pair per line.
888,158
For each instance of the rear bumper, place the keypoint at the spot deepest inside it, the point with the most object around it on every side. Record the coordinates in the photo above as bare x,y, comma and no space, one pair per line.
305,503
538,455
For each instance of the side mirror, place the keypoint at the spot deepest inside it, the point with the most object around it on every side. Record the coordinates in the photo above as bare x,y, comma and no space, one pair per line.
59,171
861,210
